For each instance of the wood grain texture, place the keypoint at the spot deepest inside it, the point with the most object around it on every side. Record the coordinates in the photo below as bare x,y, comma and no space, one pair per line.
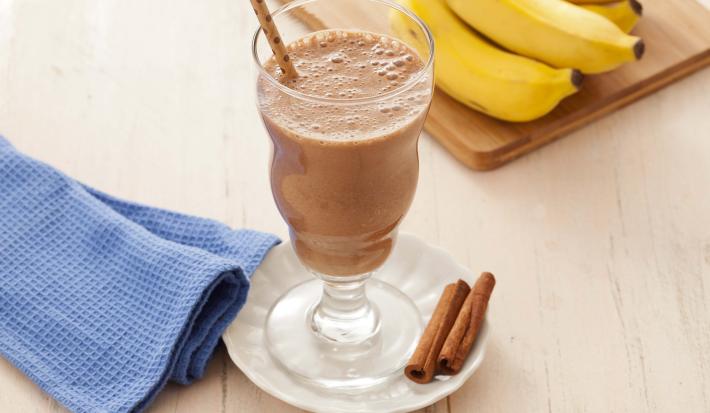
600,242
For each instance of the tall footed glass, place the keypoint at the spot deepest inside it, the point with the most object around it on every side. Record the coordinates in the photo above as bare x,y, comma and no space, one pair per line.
343,174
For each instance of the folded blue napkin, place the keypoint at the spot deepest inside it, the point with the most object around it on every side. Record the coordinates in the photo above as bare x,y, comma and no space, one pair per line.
103,301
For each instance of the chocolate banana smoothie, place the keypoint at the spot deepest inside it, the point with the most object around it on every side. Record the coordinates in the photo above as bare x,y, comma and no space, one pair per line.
345,162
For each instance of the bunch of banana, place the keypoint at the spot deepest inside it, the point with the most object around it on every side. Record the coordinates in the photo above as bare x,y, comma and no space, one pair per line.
482,76
549,43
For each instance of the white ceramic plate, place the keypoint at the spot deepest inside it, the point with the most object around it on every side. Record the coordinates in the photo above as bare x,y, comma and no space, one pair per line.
420,270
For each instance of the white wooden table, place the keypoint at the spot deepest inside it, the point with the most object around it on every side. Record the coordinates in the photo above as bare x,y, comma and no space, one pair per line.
600,241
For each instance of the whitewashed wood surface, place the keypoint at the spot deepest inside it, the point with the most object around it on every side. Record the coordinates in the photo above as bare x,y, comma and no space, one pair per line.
600,241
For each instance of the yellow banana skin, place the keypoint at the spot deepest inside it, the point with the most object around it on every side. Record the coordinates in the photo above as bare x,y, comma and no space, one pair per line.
592,1
553,31
481,76
624,14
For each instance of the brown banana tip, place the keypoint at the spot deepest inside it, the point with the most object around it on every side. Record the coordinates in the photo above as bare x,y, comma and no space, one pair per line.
577,77
637,7
639,49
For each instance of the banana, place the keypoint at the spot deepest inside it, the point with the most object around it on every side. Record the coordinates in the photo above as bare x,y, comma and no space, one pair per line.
624,14
481,76
553,31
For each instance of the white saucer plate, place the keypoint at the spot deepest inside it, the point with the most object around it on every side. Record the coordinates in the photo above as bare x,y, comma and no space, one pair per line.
418,269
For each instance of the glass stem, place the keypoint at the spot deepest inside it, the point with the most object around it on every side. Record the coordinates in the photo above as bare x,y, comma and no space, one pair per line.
344,314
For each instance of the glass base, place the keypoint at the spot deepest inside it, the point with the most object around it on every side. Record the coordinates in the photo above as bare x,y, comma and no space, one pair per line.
306,354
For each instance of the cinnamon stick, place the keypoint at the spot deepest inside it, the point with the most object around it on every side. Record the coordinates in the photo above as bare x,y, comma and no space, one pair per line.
463,334
422,366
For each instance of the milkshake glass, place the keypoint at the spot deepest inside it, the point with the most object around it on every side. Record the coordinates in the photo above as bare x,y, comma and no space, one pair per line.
343,174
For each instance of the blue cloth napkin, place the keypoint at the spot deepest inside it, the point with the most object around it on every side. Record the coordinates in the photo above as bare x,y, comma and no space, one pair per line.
103,301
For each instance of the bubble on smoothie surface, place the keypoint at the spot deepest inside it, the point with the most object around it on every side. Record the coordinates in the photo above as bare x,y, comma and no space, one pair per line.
344,65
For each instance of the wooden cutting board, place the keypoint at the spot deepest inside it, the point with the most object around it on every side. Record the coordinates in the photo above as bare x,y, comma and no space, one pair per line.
677,38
